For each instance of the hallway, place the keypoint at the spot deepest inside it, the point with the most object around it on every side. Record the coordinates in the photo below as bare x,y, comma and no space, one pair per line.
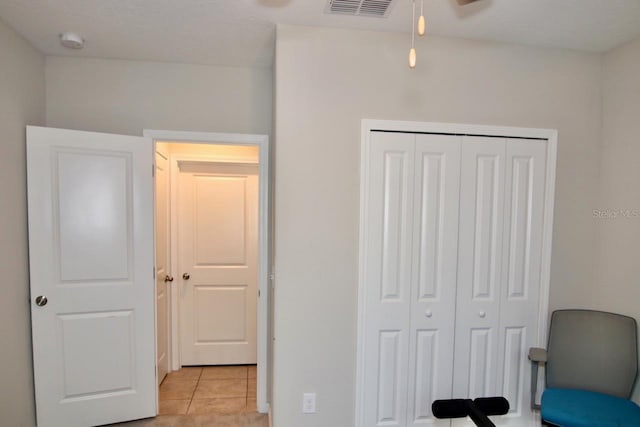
209,390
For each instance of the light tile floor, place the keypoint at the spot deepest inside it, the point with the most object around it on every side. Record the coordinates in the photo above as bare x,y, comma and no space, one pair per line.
209,390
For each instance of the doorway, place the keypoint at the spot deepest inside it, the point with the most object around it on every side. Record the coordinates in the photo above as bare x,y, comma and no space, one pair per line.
211,269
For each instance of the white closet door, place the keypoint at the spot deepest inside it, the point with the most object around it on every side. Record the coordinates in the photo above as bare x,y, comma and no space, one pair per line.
387,275
479,267
452,247
522,242
434,271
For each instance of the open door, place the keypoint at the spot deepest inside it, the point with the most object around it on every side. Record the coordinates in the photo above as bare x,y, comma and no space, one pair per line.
92,281
163,277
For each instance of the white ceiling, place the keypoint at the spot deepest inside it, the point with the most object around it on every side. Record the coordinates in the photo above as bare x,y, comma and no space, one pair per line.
241,32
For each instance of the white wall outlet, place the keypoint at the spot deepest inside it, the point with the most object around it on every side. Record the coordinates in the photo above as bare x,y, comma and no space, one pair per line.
309,403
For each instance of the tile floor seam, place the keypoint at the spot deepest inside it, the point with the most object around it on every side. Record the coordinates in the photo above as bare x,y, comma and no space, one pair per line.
191,399
245,373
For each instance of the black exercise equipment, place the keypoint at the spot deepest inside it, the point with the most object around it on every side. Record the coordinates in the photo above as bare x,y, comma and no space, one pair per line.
478,409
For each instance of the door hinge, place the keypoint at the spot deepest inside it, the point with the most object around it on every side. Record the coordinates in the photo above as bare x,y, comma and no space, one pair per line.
154,272
153,171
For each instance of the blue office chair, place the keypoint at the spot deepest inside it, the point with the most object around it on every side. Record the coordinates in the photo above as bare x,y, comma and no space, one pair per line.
591,367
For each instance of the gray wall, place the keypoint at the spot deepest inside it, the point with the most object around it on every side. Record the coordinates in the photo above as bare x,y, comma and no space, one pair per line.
327,80
129,96
22,102
618,246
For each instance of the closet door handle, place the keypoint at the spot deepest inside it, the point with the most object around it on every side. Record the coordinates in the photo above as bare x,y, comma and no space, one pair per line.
428,313
482,314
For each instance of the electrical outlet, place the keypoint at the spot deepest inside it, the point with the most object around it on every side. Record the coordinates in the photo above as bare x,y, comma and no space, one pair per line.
309,403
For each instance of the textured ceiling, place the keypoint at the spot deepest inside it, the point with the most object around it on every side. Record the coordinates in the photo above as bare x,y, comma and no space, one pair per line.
241,32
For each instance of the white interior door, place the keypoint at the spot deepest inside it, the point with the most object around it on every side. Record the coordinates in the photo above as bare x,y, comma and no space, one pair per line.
502,208
218,256
410,276
433,275
479,267
525,170
163,276
387,278
91,257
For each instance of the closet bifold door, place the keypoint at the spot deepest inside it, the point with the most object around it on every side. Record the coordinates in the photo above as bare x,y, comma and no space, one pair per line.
387,278
433,275
409,276
479,267
525,177
500,243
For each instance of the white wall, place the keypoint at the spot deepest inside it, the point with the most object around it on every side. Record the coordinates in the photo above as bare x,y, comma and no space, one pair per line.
327,80
22,102
129,96
618,246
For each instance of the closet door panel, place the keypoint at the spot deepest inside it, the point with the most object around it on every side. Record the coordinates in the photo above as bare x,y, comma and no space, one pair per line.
434,271
387,275
479,267
522,241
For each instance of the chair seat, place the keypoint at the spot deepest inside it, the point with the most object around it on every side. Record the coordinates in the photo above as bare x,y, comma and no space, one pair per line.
580,408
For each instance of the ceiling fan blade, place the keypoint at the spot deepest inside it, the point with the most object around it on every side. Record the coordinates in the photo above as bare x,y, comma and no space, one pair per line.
463,2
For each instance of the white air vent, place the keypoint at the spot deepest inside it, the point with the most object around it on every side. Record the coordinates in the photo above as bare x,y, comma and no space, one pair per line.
379,8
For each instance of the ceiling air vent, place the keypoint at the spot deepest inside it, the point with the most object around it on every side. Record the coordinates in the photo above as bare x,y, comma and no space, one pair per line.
379,8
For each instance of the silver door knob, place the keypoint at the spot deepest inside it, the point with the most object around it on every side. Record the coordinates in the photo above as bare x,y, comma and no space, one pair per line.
186,276
428,313
41,300
168,278
482,314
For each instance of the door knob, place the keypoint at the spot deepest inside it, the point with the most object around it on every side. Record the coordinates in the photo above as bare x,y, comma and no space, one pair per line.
168,278
186,276
428,313
482,314
41,300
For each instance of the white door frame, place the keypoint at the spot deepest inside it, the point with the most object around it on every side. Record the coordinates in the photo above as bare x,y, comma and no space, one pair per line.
369,125
262,142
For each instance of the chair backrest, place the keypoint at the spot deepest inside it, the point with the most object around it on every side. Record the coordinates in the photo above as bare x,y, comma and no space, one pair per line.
592,350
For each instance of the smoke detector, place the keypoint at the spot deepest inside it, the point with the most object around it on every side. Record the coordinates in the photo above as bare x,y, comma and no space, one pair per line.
375,8
71,40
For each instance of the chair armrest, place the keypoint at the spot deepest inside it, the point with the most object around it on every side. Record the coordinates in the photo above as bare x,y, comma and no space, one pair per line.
538,355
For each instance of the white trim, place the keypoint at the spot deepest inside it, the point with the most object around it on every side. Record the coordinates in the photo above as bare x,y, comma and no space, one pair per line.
262,142
547,234
364,226
369,125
